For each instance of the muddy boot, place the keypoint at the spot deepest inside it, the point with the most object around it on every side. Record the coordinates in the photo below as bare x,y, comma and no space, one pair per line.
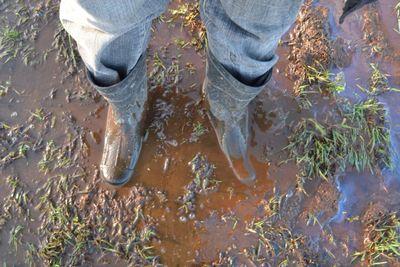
228,101
123,135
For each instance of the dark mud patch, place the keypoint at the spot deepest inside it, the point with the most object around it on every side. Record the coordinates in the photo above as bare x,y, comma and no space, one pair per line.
323,205
309,45
374,38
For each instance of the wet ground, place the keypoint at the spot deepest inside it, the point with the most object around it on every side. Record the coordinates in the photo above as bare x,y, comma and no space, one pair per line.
184,207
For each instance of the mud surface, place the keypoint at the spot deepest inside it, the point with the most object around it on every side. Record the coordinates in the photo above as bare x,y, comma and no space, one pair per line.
184,206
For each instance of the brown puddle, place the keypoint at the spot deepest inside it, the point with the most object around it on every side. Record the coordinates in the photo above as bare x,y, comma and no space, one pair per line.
217,229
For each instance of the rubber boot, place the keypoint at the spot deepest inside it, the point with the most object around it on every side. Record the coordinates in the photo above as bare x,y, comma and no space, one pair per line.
351,6
228,101
123,135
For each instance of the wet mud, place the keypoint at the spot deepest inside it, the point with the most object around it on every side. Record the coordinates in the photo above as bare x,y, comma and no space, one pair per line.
184,206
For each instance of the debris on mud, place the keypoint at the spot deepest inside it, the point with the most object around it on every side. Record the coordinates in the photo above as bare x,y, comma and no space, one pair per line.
204,182
279,240
309,46
163,111
320,81
21,29
381,240
97,223
3,219
376,43
323,205
278,245
16,203
225,259
342,53
9,39
67,52
79,221
65,155
203,172
15,141
165,74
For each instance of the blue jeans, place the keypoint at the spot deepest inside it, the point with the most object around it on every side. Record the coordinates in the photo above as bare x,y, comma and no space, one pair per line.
242,34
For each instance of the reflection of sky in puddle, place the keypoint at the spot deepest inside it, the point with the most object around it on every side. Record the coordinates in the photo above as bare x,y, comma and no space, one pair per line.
393,116
358,190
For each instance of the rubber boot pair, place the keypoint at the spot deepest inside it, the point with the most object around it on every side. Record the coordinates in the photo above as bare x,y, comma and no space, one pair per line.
228,101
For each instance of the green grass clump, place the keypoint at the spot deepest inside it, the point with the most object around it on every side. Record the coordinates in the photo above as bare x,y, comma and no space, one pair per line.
9,40
360,140
65,230
5,87
198,131
319,80
15,237
382,241
378,82
322,79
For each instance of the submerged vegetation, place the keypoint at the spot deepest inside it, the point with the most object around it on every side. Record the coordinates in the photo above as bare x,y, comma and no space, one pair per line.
189,13
203,182
198,131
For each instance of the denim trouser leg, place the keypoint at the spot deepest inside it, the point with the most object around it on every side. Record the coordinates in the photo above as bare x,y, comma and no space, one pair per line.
243,34
111,35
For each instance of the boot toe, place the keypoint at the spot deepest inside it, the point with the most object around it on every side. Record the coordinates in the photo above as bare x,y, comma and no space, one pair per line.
232,139
115,176
243,170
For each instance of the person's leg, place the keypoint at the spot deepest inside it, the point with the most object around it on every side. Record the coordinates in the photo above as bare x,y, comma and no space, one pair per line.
244,34
111,35
112,38
242,38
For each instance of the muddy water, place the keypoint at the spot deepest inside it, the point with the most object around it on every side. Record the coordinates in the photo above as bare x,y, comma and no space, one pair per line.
221,217
358,74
